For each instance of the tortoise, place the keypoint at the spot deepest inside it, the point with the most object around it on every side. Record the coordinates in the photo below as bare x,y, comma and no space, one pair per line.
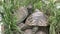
40,16
21,14
36,19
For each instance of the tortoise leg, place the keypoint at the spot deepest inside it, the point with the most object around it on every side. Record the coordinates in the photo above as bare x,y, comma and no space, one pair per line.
28,31
35,29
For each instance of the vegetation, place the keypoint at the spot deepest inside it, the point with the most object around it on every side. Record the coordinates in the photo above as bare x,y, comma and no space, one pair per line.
49,9
53,14
9,20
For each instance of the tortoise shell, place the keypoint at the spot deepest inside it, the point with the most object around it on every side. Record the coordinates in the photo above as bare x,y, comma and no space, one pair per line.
21,14
37,18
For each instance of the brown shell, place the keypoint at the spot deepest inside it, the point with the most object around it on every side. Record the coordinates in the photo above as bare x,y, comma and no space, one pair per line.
38,18
21,14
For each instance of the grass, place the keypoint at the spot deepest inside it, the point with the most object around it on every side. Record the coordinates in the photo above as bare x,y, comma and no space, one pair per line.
53,15
49,9
52,12
9,20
